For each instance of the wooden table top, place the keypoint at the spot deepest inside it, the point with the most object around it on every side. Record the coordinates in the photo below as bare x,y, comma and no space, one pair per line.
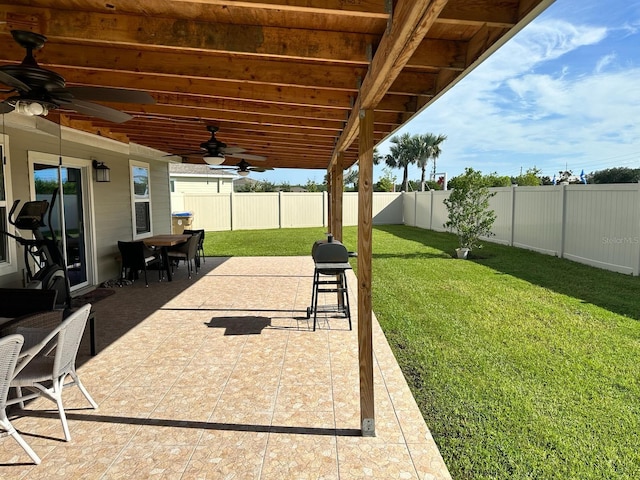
165,240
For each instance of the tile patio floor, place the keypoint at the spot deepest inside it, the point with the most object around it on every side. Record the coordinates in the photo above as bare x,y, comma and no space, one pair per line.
221,377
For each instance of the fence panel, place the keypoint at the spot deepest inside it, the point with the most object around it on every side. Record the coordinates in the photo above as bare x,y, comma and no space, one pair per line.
387,208
423,209
502,204
440,215
252,211
409,208
601,226
538,219
302,209
211,212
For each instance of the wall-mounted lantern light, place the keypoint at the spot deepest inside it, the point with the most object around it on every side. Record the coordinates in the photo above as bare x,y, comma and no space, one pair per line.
103,173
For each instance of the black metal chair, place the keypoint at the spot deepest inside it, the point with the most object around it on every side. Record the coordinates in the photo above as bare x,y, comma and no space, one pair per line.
200,244
136,256
188,252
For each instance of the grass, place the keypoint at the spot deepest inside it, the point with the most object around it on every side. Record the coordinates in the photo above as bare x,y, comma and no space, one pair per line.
523,365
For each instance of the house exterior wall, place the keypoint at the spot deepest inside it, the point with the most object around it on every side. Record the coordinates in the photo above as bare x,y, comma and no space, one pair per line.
201,185
110,203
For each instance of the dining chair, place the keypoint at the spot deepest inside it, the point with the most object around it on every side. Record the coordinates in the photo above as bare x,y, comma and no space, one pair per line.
10,347
188,252
200,243
49,357
137,256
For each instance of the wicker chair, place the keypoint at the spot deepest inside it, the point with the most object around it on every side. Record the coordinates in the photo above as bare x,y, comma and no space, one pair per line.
50,359
137,256
200,244
9,350
187,252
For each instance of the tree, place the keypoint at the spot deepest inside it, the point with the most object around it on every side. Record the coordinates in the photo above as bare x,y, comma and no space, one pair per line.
531,178
387,181
402,153
428,147
351,178
468,207
616,175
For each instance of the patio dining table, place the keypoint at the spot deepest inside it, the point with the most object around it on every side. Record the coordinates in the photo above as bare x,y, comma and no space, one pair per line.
163,242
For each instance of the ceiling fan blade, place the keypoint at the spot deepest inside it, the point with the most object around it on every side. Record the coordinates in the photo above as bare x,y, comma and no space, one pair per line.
246,156
230,150
5,108
259,169
100,111
13,82
106,94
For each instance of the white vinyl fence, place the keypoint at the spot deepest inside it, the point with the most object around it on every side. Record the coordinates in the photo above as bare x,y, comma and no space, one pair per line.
598,225
250,211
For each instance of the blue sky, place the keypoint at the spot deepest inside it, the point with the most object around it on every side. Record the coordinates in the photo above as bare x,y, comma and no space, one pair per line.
564,92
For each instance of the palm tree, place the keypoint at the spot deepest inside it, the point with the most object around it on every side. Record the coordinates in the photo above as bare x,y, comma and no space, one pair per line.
428,146
402,153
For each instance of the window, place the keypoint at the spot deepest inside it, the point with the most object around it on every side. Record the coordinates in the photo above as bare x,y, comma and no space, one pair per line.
141,199
172,186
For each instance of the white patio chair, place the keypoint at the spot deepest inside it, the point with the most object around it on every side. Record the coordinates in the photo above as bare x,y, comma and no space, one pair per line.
9,350
51,359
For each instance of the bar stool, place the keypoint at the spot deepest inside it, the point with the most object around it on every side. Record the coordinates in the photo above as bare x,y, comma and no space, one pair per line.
337,284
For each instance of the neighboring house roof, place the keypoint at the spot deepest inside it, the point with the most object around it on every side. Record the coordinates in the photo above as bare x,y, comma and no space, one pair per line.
191,169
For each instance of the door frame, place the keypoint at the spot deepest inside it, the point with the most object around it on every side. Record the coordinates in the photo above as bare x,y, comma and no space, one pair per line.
87,198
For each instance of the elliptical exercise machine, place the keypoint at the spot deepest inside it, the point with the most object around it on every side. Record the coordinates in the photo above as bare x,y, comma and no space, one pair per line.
43,258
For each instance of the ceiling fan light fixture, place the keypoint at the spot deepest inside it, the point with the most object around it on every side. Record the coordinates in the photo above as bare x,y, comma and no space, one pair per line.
214,159
31,109
243,173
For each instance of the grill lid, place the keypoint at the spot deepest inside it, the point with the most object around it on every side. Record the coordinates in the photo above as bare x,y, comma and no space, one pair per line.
329,251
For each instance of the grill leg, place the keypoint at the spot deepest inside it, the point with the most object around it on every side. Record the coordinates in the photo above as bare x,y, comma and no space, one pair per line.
314,303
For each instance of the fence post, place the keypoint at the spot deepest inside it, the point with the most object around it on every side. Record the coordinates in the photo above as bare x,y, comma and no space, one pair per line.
564,221
324,209
231,211
637,239
431,209
513,214
279,208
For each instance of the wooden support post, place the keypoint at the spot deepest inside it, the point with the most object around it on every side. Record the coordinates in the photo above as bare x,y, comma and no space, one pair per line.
365,332
338,190
329,199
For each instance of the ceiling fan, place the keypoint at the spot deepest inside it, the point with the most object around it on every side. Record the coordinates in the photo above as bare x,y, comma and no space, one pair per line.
216,151
39,90
243,168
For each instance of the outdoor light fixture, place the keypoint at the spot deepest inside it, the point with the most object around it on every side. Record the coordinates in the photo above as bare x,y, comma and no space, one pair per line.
214,159
102,171
31,109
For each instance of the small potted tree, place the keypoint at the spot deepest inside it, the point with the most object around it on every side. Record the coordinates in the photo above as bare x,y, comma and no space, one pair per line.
469,213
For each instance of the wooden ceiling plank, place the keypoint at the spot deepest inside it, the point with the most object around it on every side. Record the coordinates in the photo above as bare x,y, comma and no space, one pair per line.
503,14
198,36
203,66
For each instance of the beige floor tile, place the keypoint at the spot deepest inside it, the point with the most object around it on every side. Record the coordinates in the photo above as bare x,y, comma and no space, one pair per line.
300,457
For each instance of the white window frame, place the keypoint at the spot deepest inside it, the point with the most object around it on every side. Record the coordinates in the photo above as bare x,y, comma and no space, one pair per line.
133,164
11,264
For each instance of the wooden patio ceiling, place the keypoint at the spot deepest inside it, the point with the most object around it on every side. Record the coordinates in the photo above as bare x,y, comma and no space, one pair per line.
284,79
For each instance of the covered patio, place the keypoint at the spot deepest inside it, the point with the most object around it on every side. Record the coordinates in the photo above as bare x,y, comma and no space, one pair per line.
221,376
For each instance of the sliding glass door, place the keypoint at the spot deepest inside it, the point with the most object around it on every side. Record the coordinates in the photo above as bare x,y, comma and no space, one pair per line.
68,224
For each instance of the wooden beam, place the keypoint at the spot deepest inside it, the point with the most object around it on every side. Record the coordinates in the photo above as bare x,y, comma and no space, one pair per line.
338,196
365,230
411,21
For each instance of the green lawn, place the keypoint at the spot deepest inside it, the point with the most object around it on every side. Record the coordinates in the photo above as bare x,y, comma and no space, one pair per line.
524,365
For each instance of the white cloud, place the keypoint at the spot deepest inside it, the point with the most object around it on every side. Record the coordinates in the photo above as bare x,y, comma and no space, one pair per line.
605,62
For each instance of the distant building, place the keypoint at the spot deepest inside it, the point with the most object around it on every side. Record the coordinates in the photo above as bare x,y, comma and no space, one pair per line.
187,178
